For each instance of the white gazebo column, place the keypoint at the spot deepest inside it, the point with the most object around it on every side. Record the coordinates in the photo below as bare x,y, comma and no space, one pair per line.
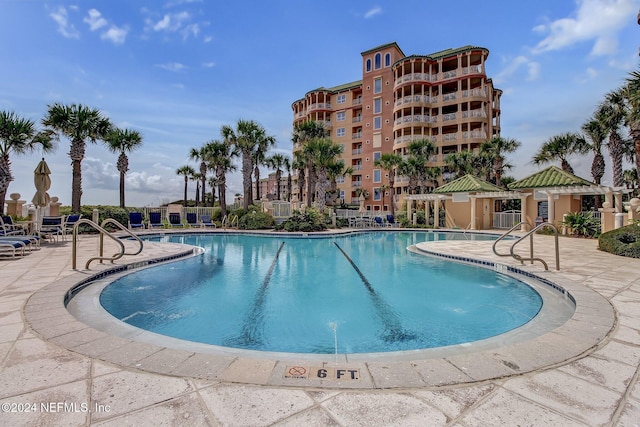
618,205
552,209
426,211
473,212
436,213
409,208
523,212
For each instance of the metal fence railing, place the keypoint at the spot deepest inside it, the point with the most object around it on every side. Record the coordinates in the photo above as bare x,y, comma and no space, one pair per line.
506,219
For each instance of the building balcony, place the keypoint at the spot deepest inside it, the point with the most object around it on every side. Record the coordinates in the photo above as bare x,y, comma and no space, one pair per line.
356,119
413,119
449,117
357,101
477,92
319,106
356,151
474,113
450,136
416,99
356,135
476,134
356,168
415,77
356,184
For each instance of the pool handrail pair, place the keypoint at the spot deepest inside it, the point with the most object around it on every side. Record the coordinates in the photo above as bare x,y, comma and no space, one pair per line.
103,232
529,234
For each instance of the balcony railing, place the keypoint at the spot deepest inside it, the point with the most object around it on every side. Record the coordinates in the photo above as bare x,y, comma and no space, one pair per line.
357,119
474,134
356,184
448,117
448,96
356,135
319,106
474,113
449,136
356,151
356,168
474,92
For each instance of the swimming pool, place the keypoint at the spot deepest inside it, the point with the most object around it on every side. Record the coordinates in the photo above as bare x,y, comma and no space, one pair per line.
359,293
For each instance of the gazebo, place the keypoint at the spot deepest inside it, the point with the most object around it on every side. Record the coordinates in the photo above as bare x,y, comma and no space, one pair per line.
469,202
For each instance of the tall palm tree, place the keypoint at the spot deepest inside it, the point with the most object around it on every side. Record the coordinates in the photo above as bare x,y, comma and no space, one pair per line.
300,164
611,113
323,153
302,134
495,150
389,162
246,137
460,163
200,154
259,159
335,170
595,134
560,147
18,136
220,159
277,162
630,180
79,124
187,172
197,178
287,167
123,141
632,93
213,183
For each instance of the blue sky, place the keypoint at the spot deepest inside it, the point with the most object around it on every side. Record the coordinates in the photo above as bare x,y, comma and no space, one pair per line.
177,70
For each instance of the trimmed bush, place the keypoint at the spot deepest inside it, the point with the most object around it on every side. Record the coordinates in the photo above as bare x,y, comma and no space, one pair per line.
624,241
309,220
256,221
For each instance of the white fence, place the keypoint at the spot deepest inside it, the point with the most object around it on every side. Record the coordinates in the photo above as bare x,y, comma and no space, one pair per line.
506,219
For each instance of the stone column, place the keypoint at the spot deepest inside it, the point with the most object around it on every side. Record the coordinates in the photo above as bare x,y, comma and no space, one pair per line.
552,209
607,218
426,211
473,200
14,205
436,213
523,212
54,207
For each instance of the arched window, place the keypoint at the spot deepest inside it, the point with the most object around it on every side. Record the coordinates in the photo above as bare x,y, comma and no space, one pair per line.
378,61
387,60
368,65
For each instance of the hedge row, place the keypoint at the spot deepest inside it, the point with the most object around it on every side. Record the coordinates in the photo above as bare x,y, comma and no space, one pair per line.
623,241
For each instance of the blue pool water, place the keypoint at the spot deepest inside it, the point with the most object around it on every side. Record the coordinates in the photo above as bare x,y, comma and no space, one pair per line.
360,293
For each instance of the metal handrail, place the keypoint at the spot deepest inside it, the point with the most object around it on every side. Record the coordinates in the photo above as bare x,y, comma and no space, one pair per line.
228,220
123,228
531,257
521,223
102,232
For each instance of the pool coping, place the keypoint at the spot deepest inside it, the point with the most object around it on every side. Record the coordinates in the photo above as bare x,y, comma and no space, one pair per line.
590,324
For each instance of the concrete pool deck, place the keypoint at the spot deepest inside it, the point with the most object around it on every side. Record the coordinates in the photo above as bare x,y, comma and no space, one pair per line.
56,370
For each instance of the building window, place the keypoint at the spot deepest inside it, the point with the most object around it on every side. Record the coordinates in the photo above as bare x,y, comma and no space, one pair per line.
377,85
342,194
368,68
340,132
377,195
376,155
340,116
377,106
378,61
377,122
342,99
377,175
340,179
387,60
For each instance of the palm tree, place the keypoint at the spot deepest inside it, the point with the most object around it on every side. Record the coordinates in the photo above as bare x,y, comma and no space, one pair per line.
560,147
389,162
630,180
19,136
187,171
259,158
335,170
323,153
220,159
287,167
611,113
213,183
596,134
79,124
246,137
277,162
494,150
197,178
123,141
632,93
302,134
300,164
200,154
460,163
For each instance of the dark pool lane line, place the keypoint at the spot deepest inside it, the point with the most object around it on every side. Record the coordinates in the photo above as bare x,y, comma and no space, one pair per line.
251,327
393,330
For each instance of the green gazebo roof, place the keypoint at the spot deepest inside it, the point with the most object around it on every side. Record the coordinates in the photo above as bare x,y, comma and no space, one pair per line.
552,176
467,184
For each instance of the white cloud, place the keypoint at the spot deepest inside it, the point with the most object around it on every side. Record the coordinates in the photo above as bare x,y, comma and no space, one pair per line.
373,12
513,69
95,20
64,27
171,22
594,20
172,66
208,64
115,34
190,30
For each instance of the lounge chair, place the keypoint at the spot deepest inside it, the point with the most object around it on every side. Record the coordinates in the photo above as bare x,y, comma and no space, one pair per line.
175,220
192,220
10,247
392,221
135,220
205,221
8,228
379,222
28,242
155,220
51,227
70,222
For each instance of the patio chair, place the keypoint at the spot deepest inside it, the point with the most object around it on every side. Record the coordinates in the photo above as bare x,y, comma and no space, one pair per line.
8,228
11,247
155,220
175,220
192,220
70,222
51,227
392,221
28,242
205,221
135,220
379,222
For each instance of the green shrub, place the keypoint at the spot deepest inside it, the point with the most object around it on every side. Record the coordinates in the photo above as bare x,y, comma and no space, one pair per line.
582,224
256,221
624,241
309,220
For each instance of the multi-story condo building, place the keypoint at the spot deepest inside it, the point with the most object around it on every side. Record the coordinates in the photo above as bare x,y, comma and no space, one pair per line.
445,97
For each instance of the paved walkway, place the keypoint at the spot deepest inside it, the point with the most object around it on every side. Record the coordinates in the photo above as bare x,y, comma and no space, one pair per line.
55,381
